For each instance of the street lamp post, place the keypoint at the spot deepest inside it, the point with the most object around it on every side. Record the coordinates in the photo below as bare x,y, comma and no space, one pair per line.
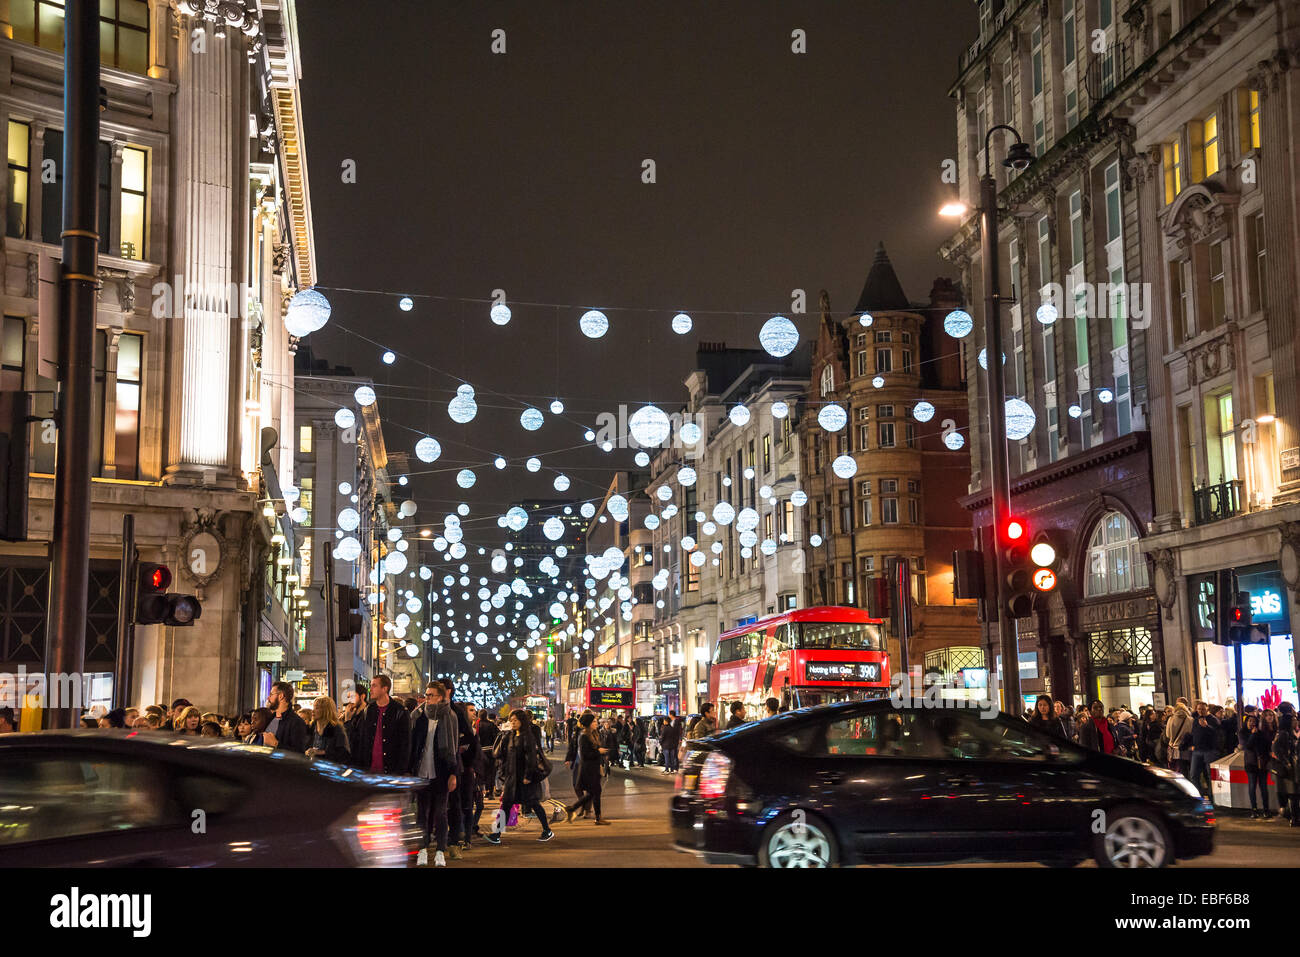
1018,157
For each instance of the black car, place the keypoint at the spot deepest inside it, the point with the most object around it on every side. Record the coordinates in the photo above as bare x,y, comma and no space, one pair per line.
144,799
864,782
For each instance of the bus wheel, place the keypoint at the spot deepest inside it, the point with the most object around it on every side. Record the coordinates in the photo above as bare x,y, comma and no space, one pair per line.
798,839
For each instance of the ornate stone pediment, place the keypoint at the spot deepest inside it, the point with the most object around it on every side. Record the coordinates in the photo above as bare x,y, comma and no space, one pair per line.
1209,358
1201,213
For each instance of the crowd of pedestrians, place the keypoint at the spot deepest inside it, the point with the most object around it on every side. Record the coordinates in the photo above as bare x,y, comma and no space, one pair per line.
1189,737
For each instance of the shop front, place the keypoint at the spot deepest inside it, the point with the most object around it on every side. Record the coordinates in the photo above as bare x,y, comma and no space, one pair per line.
1268,674
1118,636
668,696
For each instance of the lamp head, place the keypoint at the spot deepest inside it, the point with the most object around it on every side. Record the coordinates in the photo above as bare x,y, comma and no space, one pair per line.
1019,157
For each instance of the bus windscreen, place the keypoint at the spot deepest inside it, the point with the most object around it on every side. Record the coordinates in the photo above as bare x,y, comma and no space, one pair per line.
839,636
611,677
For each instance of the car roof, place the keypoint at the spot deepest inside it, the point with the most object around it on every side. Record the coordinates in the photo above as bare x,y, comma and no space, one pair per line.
230,755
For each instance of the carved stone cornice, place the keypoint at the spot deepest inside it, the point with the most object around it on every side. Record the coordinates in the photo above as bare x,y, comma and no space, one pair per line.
230,12
1210,358
1201,213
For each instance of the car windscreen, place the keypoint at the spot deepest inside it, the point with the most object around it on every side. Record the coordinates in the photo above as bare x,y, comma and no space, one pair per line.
839,636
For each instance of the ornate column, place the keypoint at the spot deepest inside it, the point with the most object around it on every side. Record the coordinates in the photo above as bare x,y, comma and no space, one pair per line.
1272,79
207,246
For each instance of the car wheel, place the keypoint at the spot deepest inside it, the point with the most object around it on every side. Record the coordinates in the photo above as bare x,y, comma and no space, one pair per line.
798,839
1134,837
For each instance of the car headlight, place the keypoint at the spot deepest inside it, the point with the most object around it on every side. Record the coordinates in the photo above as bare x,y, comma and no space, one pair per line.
1177,780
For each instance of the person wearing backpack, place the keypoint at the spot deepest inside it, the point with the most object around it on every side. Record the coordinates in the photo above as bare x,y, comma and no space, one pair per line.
524,768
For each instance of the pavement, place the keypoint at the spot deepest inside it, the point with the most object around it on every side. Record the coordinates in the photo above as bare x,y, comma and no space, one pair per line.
636,804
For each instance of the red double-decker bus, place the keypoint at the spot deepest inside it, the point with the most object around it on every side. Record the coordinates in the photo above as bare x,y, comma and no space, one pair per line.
803,657
601,686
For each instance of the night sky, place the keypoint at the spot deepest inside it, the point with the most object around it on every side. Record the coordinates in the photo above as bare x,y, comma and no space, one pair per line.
523,171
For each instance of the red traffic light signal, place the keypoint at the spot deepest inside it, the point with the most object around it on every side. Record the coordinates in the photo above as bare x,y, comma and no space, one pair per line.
153,606
160,577
1014,529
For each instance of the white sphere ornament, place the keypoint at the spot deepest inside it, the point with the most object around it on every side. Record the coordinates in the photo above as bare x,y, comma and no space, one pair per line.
617,507
561,483
499,462
556,407
593,324
866,319
466,478
650,426
522,654
664,493
878,382
958,324
349,519
308,311
364,395
686,476
1020,419
531,419
799,498
500,313
723,513
395,563
641,459
747,519
739,415
587,510
690,433
954,440
815,541
462,408
845,466
923,411
349,549
389,357
832,418
780,410
779,337
1047,313
553,529
652,522
1075,411
406,304
1105,396
768,547
345,488
533,464
428,449
516,518
698,559
345,419
682,323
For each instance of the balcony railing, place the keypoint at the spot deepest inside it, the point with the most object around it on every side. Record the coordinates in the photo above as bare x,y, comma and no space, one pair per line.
1212,503
1108,70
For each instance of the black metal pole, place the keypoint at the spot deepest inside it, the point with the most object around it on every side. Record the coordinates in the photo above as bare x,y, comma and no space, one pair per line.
1001,489
70,540
331,634
125,617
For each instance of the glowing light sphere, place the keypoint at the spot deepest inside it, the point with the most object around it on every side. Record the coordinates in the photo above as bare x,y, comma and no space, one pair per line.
553,528
1075,411
428,449
832,418
557,407
345,488
561,483
641,459
349,549
746,519
587,510
408,508
748,539
1020,419
815,541
345,419
1047,314
516,518
531,419
954,440
522,654
500,313
984,359
349,520
651,522
617,507
308,311
923,411
593,324
462,408
466,478
698,559
779,336
878,382
958,324
498,564
866,319
533,464
799,497
682,323
690,433
364,395
650,426
394,563
739,415
1105,395
845,466
389,357
723,513
780,410
768,547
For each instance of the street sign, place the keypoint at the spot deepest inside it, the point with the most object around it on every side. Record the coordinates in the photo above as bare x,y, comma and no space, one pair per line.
294,675
270,652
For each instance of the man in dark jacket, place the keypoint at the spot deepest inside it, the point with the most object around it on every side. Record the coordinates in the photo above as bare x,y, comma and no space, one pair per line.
487,739
461,817
1205,746
384,734
434,739
737,715
289,729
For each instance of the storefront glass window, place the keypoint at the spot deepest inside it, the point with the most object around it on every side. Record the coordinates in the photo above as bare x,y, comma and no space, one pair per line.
1115,561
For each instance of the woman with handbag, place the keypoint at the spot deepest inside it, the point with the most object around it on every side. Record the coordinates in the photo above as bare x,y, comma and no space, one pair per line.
1179,732
524,768
588,769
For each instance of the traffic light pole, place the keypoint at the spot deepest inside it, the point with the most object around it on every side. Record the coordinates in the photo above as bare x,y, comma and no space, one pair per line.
125,617
1001,489
70,540
331,623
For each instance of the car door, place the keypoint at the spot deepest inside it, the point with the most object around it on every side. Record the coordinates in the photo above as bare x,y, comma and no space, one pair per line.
1005,789
874,775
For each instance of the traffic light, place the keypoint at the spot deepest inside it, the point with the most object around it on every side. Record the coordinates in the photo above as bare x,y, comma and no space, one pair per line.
968,573
1013,540
1045,558
347,622
1241,625
154,606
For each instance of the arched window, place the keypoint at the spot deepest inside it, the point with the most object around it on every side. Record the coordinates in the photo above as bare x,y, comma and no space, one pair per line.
828,380
1115,561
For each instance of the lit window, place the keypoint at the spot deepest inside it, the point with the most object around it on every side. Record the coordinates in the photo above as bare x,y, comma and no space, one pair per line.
1254,119
1115,561
1174,174
304,438
134,210
19,173
1210,131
